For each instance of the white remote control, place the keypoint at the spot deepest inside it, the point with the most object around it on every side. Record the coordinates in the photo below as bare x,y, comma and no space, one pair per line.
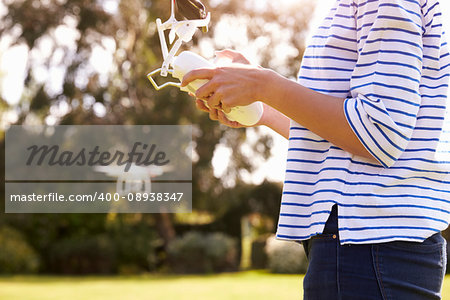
187,61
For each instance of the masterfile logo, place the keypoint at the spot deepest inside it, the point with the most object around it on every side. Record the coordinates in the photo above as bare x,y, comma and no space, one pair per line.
53,156
98,169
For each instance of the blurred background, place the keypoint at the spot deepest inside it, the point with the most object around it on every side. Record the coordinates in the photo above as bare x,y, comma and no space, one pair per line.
80,62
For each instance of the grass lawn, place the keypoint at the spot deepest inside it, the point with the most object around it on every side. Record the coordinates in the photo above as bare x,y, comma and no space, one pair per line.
242,285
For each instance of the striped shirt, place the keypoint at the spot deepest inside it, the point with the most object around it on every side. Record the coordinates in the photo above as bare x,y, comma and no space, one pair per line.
389,60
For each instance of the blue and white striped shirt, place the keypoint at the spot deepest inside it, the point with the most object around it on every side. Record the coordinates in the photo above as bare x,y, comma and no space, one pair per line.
389,60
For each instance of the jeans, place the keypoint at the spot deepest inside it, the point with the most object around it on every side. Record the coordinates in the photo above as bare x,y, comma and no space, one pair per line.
386,271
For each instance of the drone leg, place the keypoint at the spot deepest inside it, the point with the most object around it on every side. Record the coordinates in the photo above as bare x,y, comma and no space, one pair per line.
170,56
162,39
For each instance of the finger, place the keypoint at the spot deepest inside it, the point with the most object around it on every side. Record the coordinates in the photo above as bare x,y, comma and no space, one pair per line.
213,114
214,101
225,107
224,120
206,90
230,101
201,105
197,74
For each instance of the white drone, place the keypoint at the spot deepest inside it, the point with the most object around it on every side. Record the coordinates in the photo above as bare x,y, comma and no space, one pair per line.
183,31
136,180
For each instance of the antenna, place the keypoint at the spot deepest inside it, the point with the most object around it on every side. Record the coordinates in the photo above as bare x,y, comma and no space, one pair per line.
172,9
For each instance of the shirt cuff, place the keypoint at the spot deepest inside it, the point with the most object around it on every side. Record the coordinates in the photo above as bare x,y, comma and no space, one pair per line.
378,141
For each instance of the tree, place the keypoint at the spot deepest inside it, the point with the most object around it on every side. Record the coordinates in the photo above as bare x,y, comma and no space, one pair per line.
65,37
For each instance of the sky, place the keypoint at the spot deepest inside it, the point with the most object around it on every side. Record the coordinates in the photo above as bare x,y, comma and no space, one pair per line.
13,63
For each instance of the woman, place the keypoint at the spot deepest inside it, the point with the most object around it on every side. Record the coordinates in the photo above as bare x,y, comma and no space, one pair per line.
367,186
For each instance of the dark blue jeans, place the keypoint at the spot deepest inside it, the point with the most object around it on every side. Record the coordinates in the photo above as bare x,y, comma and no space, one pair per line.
385,271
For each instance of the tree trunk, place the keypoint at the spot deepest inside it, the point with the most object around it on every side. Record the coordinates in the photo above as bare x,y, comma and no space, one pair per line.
165,229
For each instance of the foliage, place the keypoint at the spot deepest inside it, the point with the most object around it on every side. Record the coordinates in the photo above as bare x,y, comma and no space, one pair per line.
119,93
129,248
76,255
122,93
16,255
286,257
136,247
195,252
129,242
44,231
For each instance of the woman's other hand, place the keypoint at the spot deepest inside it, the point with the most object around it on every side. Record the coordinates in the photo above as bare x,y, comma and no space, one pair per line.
232,56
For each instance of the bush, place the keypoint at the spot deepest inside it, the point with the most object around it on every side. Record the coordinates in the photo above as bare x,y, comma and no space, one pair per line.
136,249
83,255
16,256
196,252
286,257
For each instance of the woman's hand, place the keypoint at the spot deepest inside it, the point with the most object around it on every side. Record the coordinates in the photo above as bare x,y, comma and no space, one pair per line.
236,84
271,117
218,115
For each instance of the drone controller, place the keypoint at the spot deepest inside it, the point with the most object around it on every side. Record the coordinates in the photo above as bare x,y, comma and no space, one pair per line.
186,61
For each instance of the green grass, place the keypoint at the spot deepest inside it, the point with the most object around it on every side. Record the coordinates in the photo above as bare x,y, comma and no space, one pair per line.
241,285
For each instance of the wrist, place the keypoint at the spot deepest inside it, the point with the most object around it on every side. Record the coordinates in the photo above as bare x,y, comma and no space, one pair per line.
266,116
268,86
